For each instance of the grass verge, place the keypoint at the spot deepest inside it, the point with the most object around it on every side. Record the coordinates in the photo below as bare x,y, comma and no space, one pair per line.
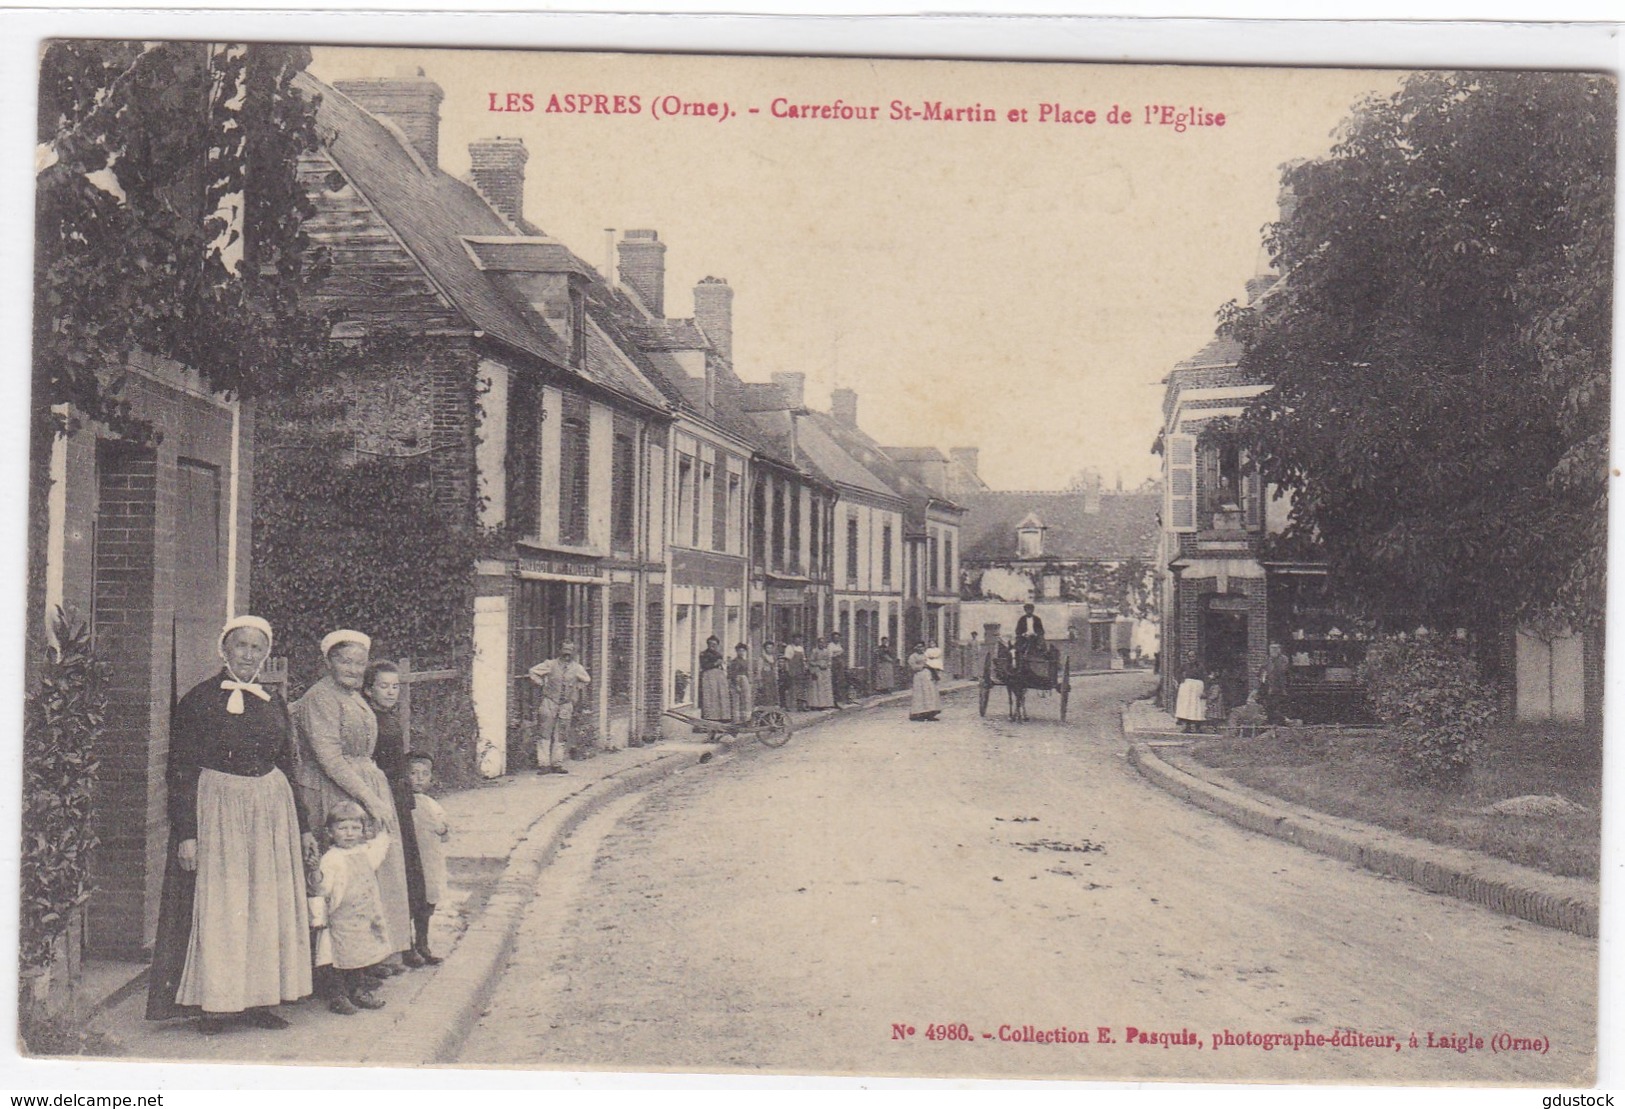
1357,774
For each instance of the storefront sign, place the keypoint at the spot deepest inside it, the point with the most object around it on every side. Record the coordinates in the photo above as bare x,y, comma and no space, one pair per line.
558,569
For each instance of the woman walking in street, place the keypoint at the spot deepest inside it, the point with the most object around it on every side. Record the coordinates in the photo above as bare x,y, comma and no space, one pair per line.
233,923
926,666
338,733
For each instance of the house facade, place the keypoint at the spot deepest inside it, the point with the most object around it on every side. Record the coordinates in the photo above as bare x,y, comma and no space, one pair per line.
938,487
1084,558
530,403
792,511
1217,615
867,533
715,451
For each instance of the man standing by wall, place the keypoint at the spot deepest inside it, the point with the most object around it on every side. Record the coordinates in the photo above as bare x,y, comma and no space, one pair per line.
1272,684
562,679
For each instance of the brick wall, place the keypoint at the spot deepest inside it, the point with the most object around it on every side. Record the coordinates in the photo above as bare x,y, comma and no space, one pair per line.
123,587
451,391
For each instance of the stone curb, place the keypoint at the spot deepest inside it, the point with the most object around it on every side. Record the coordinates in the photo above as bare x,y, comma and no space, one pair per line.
437,1024
434,1027
1570,904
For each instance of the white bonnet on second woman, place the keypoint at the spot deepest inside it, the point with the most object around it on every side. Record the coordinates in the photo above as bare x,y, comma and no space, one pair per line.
342,636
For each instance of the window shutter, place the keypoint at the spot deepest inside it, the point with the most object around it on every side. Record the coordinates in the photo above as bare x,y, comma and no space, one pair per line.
1181,513
719,506
1253,491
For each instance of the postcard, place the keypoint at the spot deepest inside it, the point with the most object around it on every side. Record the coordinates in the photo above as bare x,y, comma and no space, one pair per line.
622,561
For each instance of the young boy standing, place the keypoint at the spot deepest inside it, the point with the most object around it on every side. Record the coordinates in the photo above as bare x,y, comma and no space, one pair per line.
429,821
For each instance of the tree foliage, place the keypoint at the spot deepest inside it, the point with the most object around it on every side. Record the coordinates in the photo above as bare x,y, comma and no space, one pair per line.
1439,348
170,222
63,718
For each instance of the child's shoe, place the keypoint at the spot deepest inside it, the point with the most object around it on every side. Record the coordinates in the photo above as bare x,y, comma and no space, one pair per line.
366,999
343,1006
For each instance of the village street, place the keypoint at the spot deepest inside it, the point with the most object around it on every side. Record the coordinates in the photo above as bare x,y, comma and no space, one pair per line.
802,910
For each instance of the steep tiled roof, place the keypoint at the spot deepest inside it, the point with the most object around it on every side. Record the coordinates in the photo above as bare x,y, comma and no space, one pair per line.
457,237
669,334
1125,526
430,211
916,454
879,461
815,441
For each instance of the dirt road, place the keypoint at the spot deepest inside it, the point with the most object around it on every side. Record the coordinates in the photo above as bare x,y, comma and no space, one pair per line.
824,908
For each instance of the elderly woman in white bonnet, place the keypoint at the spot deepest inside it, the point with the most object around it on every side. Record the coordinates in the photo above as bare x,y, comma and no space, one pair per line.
233,926
337,735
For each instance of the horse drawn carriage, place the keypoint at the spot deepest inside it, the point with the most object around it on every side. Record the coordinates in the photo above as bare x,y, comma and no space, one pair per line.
1027,666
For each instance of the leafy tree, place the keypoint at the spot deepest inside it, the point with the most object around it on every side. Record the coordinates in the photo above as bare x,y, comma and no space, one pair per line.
170,221
1439,348
169,224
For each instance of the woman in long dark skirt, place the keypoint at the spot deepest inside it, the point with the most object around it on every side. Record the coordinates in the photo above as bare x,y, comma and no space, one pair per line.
233,921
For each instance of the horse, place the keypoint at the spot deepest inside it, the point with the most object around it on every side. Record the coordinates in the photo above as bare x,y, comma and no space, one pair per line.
1026,666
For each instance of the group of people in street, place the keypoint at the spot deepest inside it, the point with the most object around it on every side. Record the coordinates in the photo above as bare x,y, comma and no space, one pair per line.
1200,700
789,676
305,853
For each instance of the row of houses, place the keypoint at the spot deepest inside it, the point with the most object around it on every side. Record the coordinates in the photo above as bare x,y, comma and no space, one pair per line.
641,494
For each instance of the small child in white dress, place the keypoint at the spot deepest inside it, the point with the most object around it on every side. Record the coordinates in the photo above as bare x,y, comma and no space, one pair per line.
429,822
356,936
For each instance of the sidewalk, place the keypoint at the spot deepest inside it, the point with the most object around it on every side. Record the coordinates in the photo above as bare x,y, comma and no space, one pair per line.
1570,904
504,834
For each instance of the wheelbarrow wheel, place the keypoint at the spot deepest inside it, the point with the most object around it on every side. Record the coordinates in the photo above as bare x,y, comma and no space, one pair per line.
776,729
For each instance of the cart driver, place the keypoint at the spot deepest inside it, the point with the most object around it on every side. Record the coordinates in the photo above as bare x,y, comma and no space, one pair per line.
1029,632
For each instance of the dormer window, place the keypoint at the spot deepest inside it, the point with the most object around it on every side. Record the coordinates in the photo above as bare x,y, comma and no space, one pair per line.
1030,537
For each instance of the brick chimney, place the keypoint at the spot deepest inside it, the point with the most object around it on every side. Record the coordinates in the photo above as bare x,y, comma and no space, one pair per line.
499,174
643,269
968,458
1091,495
409,100
714,312
794,388
843,405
